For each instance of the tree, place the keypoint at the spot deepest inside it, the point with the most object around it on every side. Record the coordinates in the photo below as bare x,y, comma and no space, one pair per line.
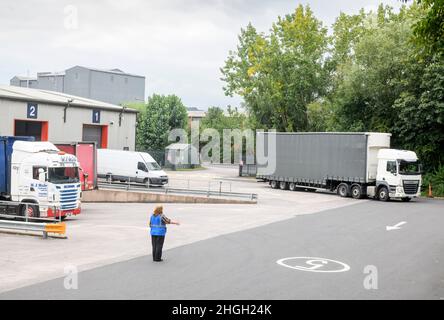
373,75
279,74
160,115
219,120
429,30
421,116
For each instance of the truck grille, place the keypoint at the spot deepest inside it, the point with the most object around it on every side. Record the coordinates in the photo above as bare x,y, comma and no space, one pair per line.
411,186
68,199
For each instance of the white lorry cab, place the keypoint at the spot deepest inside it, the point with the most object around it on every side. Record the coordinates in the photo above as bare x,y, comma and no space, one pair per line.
43,177
398,174
129,166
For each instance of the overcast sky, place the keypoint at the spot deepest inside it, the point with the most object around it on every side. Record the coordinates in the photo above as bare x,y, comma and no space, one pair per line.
178,45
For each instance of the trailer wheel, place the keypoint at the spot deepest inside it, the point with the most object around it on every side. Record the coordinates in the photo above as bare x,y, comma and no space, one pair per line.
383,194
274,184
283,185
292,186
343,190
356,191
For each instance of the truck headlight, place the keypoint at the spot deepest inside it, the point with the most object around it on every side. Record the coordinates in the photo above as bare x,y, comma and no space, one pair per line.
399,189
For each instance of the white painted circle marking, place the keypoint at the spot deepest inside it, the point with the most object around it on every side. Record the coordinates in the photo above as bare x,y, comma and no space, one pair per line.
313,264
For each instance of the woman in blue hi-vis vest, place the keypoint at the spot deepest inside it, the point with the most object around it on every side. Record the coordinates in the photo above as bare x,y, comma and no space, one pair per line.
158,224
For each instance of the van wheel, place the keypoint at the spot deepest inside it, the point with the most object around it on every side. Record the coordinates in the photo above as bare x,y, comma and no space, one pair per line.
356,191
343,190
292,186
283,185
383,194
274,184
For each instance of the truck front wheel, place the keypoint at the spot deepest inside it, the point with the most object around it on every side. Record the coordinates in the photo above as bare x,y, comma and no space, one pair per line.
343,190
356,191
30,210
383,194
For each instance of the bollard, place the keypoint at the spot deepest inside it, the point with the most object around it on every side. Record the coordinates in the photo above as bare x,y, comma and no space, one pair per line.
430,195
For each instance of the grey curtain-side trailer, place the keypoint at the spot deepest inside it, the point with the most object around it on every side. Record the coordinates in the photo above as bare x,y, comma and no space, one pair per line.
352,164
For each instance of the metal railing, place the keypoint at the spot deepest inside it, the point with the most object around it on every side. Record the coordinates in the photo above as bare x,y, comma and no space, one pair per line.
11,212
208,188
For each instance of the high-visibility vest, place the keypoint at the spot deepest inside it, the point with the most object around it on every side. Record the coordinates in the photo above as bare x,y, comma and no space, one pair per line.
158,227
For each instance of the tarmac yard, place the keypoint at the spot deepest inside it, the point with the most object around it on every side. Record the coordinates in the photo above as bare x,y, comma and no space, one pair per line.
225,251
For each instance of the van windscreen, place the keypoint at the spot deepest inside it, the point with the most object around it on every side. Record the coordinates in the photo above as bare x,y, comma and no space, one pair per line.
152,166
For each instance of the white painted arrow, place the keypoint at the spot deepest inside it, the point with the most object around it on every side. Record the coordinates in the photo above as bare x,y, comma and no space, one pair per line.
396,226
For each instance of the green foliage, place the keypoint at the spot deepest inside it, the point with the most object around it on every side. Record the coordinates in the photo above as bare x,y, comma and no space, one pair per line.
217,119
421,116
279,74
429,30
436,179
370,79
319,115
160,115
379,71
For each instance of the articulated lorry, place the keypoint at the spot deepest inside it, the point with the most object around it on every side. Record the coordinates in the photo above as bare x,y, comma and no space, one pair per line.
352,164
37,179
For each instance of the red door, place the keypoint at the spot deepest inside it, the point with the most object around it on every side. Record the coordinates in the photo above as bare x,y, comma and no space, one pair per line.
86,155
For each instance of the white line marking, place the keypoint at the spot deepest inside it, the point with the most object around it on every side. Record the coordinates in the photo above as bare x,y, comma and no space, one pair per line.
395,227
315,264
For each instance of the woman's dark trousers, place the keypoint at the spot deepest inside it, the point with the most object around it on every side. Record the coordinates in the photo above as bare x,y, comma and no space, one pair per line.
157,242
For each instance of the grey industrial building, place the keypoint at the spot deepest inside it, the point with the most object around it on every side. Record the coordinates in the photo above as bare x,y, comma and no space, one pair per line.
27,82
113,86
59,117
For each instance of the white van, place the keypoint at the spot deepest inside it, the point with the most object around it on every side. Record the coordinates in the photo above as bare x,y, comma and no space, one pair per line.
119,165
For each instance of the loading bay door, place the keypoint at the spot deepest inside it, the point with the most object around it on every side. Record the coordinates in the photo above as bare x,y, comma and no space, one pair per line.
97,134
36,129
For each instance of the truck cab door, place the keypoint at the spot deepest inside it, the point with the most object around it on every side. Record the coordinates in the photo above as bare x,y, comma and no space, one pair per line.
142,172
389,172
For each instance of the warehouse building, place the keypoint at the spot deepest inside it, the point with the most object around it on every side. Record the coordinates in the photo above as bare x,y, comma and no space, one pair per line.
109,85
58,117
26,82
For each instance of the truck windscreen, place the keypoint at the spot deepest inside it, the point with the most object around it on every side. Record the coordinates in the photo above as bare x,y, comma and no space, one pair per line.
63,175
409,167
